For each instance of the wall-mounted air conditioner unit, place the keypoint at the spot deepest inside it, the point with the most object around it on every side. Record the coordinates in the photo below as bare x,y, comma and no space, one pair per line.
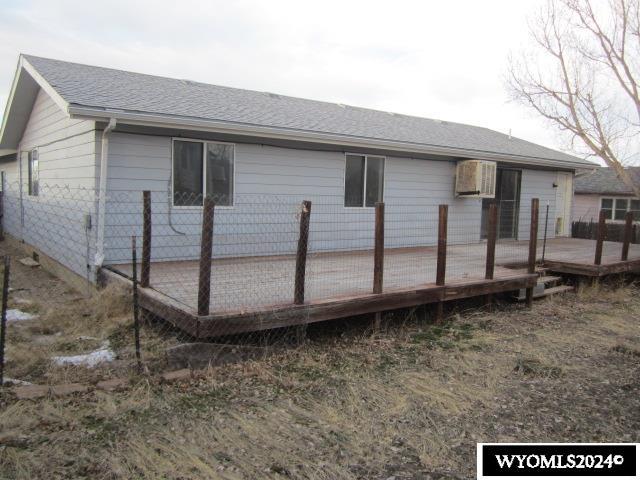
476,178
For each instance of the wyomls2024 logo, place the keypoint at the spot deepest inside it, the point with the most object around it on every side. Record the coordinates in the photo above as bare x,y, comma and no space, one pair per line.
558,460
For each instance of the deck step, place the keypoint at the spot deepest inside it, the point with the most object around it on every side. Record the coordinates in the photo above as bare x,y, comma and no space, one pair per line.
549,280
554,291
542,290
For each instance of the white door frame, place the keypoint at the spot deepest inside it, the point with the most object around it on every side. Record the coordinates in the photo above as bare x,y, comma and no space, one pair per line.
564,199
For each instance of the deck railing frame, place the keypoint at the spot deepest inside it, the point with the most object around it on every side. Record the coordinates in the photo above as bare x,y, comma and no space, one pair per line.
206,247
301,253
145,270
602,233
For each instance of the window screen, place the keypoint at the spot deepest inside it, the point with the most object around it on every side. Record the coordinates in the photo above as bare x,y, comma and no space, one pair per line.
187,173
34,172
375,180
622,204
363,180
220,173
354,181
606,206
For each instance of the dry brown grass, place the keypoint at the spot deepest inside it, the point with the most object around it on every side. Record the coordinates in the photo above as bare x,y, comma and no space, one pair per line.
78,326
411,401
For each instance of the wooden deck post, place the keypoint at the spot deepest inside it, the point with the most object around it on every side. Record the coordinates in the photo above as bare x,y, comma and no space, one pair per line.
378,251
492,230
206,245
301,255
145,272
492,233
441,268
601,233
136,302
628,231
443,212
533,246
378,260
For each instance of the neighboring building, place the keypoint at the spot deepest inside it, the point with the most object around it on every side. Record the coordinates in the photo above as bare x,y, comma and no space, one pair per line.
601,189
109,132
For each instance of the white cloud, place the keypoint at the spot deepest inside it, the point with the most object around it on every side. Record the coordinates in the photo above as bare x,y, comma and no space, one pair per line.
434,59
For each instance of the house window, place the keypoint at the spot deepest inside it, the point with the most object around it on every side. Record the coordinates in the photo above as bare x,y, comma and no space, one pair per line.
617,208
33,172
622,205
635,208
363,180
202,169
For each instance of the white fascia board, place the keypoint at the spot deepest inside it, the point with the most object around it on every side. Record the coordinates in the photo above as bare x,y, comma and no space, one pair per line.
23,63
12,92
166,121
55,96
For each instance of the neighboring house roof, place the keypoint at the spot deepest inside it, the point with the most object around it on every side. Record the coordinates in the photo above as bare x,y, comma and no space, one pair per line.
104,92
604,181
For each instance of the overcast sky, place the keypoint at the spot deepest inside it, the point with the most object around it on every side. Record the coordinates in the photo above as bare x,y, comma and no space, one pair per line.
437,59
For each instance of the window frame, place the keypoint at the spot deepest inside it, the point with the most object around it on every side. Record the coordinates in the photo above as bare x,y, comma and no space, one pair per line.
30,189
614,203
204,173
364,190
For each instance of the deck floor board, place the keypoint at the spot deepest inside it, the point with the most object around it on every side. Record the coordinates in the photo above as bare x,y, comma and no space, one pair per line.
254,282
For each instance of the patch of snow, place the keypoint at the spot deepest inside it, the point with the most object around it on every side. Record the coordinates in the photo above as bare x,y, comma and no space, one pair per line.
22,301
15,315
91,359
29,262
15,381
86,338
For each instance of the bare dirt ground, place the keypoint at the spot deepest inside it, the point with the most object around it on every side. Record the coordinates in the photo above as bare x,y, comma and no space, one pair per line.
408,402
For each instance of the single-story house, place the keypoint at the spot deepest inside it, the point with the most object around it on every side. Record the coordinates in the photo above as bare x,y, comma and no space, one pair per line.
103,136
601,189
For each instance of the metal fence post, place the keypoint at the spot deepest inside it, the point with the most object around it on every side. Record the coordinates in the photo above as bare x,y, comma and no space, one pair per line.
602,231
3,319
533,246
301,255
2,213
146,239
206,245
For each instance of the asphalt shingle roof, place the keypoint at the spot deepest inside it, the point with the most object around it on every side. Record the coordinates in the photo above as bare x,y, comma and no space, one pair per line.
605,181
98,87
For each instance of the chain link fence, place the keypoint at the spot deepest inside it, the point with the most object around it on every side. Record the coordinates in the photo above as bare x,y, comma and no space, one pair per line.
256,259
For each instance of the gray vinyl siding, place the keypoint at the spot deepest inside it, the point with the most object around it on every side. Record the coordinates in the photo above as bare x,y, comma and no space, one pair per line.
53,221
270,183
537,184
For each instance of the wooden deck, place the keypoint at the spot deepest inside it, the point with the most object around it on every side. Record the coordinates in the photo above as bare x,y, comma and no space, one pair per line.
256,293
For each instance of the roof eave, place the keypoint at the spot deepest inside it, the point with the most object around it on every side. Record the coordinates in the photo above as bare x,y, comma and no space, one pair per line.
611,194
23,64
169,121
7,107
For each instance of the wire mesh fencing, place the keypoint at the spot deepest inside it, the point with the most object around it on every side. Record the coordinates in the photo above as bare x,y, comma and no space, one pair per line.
56,221
208,270
254,248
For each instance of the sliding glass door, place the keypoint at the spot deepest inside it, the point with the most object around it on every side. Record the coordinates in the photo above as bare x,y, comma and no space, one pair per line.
508,201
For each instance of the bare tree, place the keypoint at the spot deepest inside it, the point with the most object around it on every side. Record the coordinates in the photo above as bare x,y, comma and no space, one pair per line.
583,76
